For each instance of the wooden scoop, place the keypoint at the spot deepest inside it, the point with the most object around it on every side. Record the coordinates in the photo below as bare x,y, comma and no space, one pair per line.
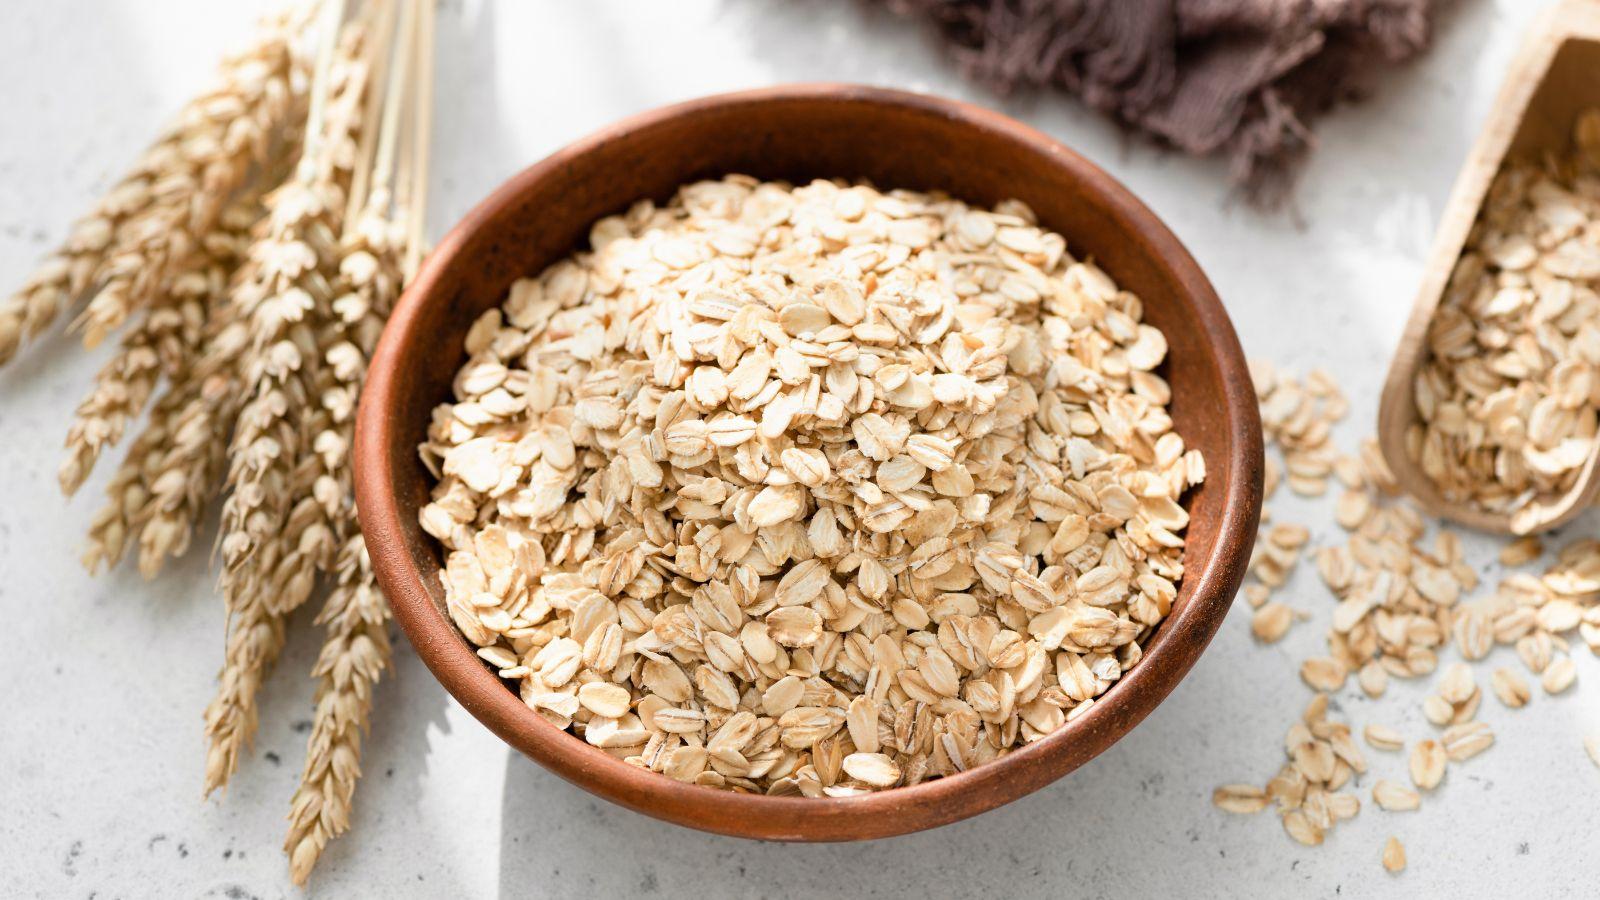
1554,78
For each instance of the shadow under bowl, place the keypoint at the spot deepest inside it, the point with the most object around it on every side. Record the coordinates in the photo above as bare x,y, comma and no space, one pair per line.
798,133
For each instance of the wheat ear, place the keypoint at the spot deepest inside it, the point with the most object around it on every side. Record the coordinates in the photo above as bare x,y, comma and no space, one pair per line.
271,475
226,136
352,660
166,342
160,211
287,278
67,273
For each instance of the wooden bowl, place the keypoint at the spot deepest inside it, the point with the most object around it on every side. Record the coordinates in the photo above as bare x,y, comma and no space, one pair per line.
798,133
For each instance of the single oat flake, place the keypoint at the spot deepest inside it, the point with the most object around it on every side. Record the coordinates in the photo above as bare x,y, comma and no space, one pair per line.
1394,855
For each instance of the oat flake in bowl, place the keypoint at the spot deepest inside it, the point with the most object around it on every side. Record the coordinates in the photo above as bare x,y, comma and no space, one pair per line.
811,490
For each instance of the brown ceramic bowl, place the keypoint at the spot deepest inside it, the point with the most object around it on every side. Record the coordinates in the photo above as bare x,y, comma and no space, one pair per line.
798,133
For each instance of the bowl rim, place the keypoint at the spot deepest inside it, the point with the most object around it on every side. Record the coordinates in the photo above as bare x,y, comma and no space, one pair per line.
882,814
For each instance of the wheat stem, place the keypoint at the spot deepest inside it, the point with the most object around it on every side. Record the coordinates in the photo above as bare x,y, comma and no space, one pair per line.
182,484
167,481
255,638
262,341
394,108
380,60
329,29
421,140
354,613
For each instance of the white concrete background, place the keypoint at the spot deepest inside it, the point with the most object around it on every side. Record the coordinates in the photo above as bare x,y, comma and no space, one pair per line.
104,679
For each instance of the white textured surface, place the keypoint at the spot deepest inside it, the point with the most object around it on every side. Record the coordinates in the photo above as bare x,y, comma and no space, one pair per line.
104,680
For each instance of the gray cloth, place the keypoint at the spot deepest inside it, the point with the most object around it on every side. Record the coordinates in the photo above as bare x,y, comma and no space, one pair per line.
1243,78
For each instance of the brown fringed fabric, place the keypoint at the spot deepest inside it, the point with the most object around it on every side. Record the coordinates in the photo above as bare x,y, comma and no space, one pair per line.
1242,78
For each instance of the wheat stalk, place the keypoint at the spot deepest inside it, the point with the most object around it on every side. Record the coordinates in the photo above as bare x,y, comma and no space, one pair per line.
112,526
68,271
274,537
287,276
173,339
322,512
121,390
255,637
160,212
182,484
355,650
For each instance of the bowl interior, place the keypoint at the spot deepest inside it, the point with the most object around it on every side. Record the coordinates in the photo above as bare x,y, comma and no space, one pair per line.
798,134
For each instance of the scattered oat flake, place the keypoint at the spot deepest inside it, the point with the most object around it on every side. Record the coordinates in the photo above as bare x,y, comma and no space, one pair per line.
1437,710
1405,596
1464,741
1395,797
1510,687
1256,594
1394,855
1271,622
1456,686
1240,798
1427,764
1559,675
1382,737
1523,550
1300,827
1324,673
1373,678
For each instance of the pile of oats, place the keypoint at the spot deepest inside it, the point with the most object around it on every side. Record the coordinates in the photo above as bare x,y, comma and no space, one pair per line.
1309,788
813,490
1297,417
1401,602
1508,395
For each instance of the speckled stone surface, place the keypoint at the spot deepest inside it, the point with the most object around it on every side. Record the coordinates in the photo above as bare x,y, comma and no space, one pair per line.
105,679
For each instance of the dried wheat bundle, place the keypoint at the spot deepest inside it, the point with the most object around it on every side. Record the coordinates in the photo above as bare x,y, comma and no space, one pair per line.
250,260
